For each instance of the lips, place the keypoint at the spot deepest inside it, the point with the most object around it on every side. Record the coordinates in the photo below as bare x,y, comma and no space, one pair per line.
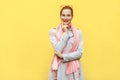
65,20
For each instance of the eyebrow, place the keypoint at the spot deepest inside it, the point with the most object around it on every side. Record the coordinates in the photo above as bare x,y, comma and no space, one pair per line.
66,14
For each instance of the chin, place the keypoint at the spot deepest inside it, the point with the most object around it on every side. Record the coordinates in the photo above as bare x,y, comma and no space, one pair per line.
66,23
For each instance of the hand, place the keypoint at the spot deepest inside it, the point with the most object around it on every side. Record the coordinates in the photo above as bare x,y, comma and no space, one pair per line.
65,27
58,54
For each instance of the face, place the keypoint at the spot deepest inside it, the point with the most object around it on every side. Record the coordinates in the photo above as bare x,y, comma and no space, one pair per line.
66,16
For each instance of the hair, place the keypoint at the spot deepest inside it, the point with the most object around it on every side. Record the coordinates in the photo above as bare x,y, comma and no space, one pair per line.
67,7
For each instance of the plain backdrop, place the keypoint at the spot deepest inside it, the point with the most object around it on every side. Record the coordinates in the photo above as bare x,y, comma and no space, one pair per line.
25,49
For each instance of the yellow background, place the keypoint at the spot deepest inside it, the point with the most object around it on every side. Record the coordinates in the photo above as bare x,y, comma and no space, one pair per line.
25,49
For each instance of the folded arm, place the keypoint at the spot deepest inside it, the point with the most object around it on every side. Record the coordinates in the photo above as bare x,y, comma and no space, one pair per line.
76,54
58,45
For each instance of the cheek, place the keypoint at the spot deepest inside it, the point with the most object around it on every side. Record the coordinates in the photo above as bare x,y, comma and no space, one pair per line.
62,17
69,18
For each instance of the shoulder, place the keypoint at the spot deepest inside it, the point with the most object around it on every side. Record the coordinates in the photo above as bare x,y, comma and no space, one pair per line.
79,31
52,31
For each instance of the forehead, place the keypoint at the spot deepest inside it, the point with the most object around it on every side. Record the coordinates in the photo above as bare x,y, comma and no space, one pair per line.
66,11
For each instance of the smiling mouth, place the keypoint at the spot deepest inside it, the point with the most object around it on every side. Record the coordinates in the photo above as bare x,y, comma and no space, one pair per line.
65,20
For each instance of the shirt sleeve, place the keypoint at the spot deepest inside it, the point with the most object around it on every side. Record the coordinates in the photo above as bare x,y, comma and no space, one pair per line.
76,54
58,45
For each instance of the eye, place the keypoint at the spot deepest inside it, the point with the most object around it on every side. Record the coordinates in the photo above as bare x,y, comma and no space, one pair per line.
63,14
68,15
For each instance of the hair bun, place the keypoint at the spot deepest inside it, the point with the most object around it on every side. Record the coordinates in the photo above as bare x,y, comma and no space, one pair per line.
66,6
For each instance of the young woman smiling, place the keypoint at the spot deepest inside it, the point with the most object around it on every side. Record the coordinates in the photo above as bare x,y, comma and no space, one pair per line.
67,43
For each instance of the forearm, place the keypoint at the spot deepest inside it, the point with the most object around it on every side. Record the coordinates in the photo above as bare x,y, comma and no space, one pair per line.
58,45
71,56
63,41
68,56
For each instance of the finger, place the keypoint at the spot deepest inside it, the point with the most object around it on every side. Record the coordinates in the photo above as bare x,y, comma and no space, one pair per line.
55,50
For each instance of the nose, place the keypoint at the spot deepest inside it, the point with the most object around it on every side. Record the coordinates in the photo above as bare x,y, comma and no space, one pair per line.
65,17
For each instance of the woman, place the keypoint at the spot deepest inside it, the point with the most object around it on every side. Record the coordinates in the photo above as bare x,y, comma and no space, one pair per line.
68,48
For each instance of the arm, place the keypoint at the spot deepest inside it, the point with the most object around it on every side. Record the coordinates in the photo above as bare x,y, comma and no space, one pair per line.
76,54
58,45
